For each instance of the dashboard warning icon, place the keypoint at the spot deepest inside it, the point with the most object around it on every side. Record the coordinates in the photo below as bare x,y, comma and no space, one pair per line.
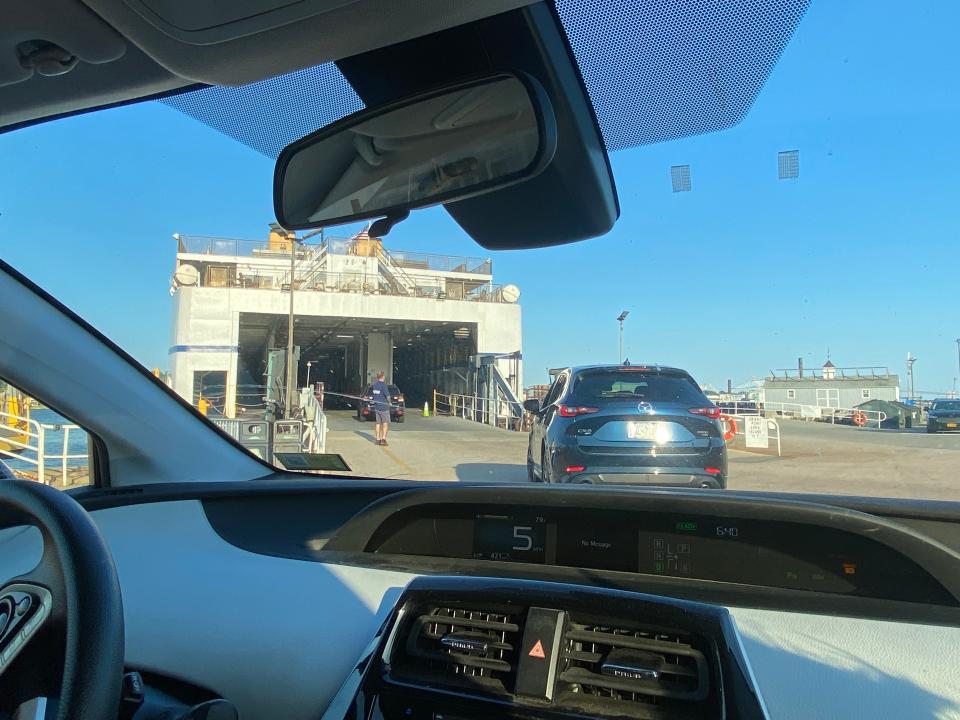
537,651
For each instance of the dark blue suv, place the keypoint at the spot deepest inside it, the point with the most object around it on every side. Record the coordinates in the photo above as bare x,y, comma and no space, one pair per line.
632,424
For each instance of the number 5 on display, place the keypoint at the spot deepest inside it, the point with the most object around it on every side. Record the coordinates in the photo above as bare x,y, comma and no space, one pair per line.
521,532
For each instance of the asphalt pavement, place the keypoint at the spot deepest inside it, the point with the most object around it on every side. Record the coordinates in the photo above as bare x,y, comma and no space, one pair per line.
816,457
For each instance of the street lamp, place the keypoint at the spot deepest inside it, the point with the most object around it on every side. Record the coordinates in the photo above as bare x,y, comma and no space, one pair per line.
291,389
620,319
958,352
910,361
309,364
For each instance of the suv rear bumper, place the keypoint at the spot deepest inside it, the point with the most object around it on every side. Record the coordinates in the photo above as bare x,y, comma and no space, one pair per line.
662,477
686,470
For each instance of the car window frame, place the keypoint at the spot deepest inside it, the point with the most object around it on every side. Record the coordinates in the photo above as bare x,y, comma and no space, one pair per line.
553,395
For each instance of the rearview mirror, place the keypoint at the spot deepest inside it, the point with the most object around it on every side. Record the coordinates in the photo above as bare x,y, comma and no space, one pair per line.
436,147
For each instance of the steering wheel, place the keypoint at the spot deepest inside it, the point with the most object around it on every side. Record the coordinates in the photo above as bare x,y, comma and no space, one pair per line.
61,624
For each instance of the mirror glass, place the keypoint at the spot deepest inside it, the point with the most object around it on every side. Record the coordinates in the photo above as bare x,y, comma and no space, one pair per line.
435,148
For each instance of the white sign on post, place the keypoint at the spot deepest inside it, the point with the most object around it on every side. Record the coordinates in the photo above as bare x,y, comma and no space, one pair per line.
755,430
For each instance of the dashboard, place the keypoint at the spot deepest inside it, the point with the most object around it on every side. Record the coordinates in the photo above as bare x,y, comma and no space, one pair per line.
762,552
337,556
726,549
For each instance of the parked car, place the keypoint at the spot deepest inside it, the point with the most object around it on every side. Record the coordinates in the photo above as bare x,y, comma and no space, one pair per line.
636,424
944,414
398,408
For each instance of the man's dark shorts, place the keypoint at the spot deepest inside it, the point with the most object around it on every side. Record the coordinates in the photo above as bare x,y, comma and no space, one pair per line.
383,416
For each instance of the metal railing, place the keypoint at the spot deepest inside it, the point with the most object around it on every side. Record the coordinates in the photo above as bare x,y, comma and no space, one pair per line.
478,409
37,435
411,260
234,247
833,415
258,277
740,407
876,372
315,422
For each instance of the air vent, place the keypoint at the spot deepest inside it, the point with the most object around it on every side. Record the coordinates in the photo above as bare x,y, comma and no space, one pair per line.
471,648
618,667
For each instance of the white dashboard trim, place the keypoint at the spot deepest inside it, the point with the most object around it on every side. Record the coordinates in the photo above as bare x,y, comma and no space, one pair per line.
257,628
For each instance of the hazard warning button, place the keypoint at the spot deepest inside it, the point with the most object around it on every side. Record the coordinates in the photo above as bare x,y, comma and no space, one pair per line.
537,666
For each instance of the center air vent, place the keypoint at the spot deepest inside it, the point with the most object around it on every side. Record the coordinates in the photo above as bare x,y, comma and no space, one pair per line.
471,648
614,667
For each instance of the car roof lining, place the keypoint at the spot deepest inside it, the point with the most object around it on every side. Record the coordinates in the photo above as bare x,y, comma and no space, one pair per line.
155,62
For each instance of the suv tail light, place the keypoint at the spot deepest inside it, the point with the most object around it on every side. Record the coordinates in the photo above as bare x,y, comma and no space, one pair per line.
574,410
712,412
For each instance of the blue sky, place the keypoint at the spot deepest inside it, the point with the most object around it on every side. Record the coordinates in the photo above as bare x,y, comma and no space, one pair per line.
744,274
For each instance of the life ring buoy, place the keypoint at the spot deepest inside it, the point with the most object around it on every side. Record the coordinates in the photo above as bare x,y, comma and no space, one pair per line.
730,425
859,418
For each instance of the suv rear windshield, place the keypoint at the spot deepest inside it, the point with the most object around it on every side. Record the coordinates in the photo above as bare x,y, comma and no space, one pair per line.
651,387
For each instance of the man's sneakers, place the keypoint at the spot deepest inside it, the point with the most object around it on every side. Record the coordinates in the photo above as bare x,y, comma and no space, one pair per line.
382,442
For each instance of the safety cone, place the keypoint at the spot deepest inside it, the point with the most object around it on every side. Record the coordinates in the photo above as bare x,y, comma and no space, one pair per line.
426,410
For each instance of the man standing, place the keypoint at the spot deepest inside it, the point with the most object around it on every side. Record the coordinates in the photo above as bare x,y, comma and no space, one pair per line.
381,406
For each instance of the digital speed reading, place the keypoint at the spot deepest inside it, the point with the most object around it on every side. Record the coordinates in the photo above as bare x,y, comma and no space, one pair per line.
512,539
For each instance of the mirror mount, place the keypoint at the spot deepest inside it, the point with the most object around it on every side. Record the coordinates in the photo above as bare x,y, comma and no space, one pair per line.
384,225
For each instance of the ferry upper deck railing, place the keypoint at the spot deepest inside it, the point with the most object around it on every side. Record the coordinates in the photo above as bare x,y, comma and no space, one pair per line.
411,261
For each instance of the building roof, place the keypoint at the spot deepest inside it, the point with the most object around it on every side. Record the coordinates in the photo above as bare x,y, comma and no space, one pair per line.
837,381
828,364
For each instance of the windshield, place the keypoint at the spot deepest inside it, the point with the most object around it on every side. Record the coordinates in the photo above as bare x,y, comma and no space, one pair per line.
786,191
652,387
946,406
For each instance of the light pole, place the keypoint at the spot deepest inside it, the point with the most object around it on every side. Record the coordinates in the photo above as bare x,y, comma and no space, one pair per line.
958,352
309,364
620,319
291,370
910,362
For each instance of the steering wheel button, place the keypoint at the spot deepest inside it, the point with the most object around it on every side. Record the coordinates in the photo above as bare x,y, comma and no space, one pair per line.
23,605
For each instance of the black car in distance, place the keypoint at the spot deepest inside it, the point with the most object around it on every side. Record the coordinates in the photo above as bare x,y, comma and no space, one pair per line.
626,424
944,414
398,408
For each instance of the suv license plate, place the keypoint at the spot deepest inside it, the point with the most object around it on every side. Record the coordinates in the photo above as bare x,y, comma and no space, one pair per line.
951,425
643,430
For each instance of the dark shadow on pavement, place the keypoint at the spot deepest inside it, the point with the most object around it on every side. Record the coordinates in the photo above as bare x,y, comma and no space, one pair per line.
369,437
491,472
